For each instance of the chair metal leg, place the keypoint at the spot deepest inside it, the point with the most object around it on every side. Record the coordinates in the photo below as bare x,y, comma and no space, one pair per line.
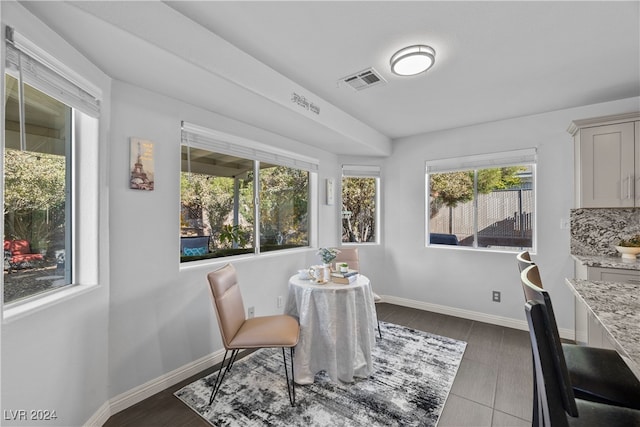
290,389
220,377
234,356
379,330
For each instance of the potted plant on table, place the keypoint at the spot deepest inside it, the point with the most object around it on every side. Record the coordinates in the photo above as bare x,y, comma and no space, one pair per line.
328,255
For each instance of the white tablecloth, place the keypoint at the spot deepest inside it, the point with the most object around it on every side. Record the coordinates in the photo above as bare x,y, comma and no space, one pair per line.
337,328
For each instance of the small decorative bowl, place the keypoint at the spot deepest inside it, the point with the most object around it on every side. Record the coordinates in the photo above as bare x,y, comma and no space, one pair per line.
628,252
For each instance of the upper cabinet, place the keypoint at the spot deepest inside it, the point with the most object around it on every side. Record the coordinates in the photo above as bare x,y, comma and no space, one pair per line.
607,161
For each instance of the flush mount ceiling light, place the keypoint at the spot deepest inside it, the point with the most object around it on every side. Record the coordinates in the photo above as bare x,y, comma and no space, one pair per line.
413,60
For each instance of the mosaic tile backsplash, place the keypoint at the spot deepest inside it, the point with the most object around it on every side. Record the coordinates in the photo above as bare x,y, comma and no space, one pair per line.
597,231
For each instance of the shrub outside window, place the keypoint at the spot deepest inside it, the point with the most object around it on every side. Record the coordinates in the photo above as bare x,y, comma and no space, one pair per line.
284,207
360,201
36,190
216,205
492,207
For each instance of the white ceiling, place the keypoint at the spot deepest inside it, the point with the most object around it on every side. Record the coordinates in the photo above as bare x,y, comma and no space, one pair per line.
494,60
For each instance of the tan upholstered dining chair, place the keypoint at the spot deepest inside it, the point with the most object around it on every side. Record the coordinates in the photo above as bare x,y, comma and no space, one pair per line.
239,333
350,256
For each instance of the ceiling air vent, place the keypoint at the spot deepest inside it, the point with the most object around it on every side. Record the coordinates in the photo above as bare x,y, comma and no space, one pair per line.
364,79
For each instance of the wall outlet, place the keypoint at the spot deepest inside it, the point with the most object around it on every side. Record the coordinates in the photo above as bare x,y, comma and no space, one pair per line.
251,311
280,301
496,296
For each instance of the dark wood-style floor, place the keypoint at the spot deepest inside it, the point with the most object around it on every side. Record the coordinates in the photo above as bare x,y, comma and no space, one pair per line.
493,386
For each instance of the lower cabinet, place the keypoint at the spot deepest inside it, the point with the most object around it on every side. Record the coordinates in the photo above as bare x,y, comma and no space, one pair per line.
613,275
604,274
589,330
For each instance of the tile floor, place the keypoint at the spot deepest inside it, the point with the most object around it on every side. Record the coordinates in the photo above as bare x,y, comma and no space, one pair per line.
493,386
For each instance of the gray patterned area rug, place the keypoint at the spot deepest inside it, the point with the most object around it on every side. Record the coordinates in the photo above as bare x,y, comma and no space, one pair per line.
413,373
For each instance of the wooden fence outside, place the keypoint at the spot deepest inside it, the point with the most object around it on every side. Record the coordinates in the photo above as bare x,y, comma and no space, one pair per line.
505,218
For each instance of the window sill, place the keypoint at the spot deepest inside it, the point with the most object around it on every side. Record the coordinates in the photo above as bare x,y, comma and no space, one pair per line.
242,258
359,244
480,249
17,310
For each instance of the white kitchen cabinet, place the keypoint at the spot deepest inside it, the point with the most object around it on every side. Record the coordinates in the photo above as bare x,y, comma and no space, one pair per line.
607,161
614,275
607,274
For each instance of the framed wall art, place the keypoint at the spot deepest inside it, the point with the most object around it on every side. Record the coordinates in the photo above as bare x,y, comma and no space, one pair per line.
141,164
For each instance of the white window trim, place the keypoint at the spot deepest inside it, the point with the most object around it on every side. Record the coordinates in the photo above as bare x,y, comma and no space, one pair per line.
38,302
361,171
220,142
225,143
84,177
51,64
364,171
482,161
526,156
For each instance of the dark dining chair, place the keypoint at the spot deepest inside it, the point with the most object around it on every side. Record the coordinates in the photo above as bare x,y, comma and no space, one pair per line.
239,333
558,405
596,374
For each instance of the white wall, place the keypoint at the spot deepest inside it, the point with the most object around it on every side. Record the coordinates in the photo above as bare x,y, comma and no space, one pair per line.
161,316
464,279
150,317
56,358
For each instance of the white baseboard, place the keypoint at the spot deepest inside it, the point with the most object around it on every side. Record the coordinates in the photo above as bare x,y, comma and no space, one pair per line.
148,389
100,417
471,315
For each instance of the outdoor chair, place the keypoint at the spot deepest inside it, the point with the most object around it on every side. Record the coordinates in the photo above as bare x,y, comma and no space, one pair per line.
18,254
194,245
443,239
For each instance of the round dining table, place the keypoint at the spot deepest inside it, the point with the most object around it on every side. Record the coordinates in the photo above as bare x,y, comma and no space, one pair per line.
337,328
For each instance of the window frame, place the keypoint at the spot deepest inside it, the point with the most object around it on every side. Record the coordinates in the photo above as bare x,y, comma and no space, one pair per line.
364,171
47,74
523,157
196,136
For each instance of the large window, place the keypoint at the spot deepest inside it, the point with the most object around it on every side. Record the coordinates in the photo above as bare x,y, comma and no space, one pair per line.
482,207
360,191
43,129
228,201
